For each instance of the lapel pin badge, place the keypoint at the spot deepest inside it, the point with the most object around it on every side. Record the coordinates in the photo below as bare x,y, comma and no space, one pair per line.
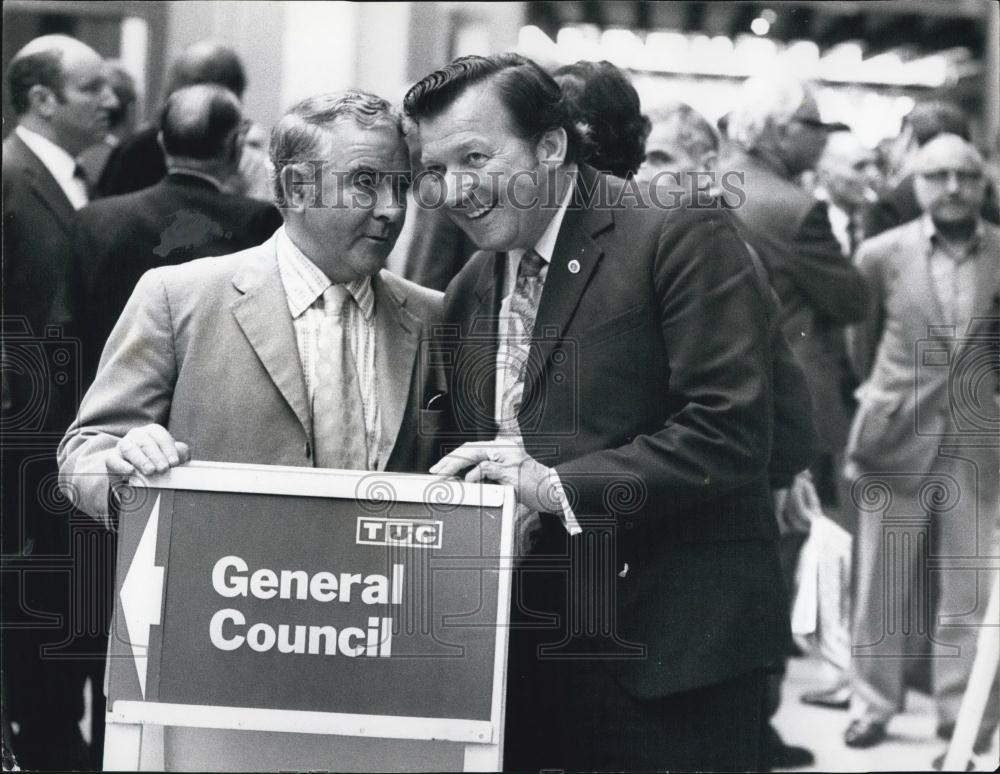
574,266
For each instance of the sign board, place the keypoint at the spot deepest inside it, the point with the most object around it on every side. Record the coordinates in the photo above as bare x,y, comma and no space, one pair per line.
356,620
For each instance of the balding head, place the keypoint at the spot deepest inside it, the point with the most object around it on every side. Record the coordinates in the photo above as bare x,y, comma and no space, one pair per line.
200,125
949,181
59,89
208,62
683,143
848,170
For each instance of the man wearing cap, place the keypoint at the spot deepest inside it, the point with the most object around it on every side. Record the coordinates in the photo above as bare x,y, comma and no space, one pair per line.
776,135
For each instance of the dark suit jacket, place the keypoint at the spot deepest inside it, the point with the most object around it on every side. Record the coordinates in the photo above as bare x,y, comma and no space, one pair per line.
819,289
116,240
39,392
649,390
135,164
900,206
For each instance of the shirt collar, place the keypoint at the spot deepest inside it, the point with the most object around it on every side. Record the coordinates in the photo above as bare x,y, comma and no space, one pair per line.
546,244
56,159
304,281
934,239
182,170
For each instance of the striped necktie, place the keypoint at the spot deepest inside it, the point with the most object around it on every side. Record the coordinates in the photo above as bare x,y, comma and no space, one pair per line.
338,411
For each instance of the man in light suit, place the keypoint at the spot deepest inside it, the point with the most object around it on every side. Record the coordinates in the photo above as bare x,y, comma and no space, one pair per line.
923,453
222,358
62,100
611,362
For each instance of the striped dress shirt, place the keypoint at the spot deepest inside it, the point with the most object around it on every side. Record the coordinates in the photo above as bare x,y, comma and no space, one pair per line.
304,285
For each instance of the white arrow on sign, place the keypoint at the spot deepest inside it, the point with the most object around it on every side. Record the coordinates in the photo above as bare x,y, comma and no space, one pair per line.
141,594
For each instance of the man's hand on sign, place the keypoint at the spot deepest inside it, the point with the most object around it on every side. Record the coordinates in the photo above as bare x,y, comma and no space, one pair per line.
507,463
150,449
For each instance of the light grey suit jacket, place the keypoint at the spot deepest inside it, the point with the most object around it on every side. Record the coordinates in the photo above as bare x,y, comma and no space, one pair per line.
922,382
207,349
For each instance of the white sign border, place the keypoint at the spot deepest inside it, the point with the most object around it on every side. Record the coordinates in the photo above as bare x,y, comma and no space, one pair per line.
483,738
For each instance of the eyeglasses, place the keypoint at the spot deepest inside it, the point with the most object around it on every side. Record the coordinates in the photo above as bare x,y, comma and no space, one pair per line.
812,123
963,176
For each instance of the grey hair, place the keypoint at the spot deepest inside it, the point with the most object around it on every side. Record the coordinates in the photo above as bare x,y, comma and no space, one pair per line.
763,101
691,129
299,135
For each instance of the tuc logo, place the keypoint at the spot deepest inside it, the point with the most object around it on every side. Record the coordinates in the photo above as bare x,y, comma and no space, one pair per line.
399,532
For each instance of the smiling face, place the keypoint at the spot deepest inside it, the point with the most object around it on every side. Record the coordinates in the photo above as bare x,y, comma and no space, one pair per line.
493,184
349,223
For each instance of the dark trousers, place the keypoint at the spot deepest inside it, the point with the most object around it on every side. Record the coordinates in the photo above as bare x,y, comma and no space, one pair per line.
578,717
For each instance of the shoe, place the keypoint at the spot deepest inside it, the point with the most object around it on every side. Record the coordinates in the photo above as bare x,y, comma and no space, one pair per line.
838,697
787,756
864,732
775,754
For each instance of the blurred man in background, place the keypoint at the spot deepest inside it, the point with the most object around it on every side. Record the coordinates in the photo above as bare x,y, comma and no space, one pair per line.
921,125
139,162
848,180
60,93
186,215
776,134
935,277
122,120
604,101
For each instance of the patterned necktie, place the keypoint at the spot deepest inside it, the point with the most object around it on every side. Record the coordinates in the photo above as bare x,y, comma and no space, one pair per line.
338,412
517,343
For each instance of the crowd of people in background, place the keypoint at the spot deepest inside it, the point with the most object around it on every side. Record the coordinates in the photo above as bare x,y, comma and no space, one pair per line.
858,257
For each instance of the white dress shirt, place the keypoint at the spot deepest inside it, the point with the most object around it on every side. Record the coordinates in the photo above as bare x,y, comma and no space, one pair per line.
304,285
60,164
545,246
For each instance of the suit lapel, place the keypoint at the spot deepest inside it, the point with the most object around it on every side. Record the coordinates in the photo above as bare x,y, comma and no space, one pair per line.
397,337
481,342
564,288
987,272
262,313
42,183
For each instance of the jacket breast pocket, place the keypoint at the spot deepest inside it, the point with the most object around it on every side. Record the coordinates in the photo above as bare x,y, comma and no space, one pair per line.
617,326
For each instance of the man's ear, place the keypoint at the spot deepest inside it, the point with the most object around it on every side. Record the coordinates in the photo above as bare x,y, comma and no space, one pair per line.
552,147
709,162
299,186
234,147
42,100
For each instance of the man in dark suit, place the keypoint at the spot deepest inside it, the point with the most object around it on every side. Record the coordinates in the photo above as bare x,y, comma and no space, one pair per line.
186,215
139,161
62,100
610,361
776,135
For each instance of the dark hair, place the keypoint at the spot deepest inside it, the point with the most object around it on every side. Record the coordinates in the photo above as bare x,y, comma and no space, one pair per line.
196,121
601,97
299,135
43,68
208,62
929,119
532,97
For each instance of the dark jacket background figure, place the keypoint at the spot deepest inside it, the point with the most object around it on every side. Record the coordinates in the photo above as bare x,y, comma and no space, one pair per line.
819,289
116,240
